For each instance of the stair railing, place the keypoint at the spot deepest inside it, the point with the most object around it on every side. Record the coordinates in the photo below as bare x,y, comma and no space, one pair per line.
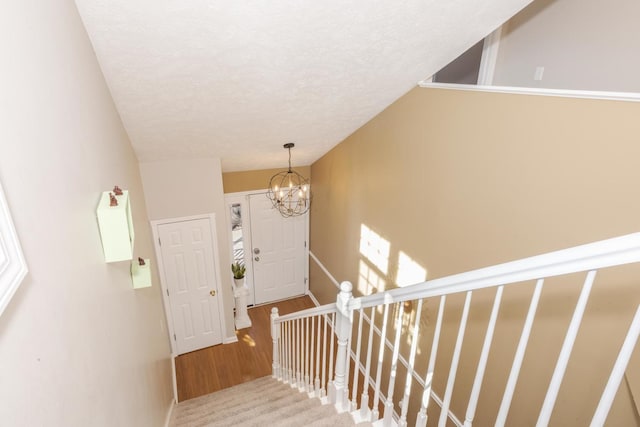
313,349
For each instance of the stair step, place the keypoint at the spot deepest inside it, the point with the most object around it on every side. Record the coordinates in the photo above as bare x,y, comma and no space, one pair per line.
337,420
259,403
281,416
320,412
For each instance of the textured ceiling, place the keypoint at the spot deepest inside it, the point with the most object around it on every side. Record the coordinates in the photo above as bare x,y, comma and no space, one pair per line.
238,79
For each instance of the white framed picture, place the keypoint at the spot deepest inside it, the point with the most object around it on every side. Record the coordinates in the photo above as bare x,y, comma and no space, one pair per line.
13,266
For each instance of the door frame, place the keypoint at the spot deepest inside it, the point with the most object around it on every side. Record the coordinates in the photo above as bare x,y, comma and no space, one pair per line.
163,281
242,197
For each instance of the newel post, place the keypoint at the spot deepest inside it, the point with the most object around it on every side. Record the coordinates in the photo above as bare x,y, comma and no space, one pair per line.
344,321
275,336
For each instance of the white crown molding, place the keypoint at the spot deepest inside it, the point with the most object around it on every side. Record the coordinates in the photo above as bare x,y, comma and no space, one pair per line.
13,266
566,93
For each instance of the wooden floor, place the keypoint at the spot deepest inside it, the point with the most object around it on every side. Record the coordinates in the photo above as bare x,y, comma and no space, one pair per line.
214,368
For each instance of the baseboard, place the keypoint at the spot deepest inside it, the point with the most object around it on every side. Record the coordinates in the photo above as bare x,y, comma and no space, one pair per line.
230,340
313,298
169,413
174,379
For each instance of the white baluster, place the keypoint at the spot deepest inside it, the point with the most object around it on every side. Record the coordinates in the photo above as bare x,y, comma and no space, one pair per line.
275,367
285,351
565,352
323,389
311,355
365,412
421,418
317,379
356,370
294,359
617,372
343,330
444,413
412,358
347,363
298,353
302,331
291,349
375,413
332,332
482,363
519,356
306,354
283,358
388,406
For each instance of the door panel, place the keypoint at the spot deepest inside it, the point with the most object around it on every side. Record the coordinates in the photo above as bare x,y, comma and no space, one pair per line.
189,270
279,267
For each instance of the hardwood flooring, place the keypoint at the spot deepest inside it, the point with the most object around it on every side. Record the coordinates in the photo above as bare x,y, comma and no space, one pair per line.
215,368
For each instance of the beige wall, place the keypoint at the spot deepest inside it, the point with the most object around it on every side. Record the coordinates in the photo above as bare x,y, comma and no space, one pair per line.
235,182
181,188
459,180
582,44
78,346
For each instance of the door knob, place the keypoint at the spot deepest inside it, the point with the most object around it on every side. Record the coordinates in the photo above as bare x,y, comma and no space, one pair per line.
212,293
256,251
257,258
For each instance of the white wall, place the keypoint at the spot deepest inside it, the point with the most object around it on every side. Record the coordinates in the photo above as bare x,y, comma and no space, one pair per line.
582,44
78,346
179,188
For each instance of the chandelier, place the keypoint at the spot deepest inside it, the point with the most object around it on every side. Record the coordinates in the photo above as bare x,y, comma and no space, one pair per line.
289,191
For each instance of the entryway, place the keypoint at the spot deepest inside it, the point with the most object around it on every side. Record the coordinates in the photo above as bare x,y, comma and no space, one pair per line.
272,248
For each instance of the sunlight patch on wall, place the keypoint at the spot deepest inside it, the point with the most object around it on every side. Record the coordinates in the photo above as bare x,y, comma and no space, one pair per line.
374,248
369,282
409,271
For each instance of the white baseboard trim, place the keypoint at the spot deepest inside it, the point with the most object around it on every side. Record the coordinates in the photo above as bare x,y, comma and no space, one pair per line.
167,420
174,378
230,340
313,298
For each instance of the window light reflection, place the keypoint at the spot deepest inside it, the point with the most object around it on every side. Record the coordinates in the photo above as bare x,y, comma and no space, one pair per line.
409,271
374,248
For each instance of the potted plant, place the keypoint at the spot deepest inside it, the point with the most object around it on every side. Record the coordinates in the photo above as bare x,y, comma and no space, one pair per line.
238,273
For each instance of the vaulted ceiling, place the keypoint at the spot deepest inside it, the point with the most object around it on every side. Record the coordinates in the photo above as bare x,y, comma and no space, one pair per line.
238,79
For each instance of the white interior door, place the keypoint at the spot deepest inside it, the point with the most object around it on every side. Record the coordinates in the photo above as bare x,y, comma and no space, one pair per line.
278,251
190,275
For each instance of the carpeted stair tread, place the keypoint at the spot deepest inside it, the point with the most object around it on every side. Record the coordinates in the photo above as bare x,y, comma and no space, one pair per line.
280,415
337,420
222,397
320,412
214,412
254,414
226,394
259,403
